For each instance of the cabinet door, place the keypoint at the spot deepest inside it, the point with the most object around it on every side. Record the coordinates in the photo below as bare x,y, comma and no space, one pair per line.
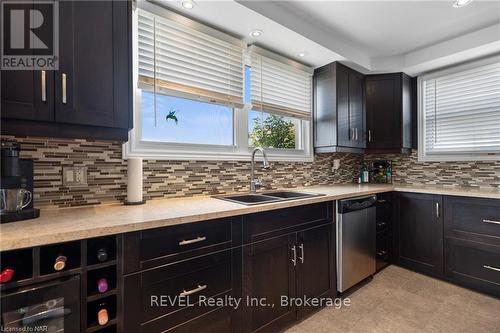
315,266
356,110
344,131
92,81
268,274
383,127
28,95
420,232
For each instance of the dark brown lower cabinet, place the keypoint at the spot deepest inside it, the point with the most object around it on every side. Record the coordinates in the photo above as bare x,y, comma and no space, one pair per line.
216,321
165,297
472,264
283,272
268,274
420,232
316,266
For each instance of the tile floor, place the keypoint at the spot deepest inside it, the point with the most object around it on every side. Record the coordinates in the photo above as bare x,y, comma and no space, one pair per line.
402,301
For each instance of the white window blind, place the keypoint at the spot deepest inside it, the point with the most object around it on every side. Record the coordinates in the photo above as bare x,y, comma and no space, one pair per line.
175,58
279,85
461,111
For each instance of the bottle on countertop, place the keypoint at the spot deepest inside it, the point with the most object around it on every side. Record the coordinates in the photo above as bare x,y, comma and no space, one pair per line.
102,314
102,254
364,174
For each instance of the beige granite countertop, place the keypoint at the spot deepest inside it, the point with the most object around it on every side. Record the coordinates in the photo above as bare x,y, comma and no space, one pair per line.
67,224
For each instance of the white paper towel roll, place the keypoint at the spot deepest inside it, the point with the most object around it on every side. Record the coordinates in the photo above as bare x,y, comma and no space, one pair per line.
134,180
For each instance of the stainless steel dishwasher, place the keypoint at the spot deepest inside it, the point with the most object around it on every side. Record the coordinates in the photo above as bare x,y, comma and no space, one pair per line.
356,237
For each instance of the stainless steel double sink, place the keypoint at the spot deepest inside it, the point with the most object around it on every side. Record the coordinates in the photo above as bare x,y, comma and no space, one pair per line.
266,197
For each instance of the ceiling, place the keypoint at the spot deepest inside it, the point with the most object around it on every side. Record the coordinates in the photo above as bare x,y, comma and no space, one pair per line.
371,36
388,28
239,20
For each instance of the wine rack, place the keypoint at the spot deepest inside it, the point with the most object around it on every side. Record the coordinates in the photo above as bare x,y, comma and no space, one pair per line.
31,266
101,284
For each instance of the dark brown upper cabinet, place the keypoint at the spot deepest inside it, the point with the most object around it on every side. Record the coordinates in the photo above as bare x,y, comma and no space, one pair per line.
90,95
339,111
389,113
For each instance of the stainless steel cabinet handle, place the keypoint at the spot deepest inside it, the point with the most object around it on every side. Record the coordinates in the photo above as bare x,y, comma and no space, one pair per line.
193,291
351,133
356,131
492,268
43,79
491,221
369,135
294,255
301,247
191,241
63,88
437,209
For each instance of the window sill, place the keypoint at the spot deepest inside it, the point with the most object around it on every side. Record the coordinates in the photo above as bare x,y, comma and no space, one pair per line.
174,154
458,158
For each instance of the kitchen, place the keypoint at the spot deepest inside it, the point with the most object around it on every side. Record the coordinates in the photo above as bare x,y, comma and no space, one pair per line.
250,166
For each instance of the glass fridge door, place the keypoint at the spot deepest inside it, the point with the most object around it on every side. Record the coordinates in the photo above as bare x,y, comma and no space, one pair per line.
49,307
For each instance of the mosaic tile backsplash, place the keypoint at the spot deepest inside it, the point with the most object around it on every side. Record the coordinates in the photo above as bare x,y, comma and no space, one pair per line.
407,170
107,173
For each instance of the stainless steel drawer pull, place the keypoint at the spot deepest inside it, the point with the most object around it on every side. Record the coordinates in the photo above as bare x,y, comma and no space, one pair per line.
437,209
63,88
356,133
193,291
301,247
194,240
369,135
294,257
491,221
492,268
43,79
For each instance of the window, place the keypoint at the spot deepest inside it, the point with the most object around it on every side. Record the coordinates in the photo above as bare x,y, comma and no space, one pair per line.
202,94
459,113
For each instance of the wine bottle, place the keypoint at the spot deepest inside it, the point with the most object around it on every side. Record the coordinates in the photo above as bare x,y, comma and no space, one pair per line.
6,275
102,314
102,285
102,254
60,263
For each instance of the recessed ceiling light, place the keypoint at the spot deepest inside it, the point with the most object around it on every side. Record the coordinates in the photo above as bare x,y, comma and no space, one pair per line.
256,33
302,54
461,3
188,4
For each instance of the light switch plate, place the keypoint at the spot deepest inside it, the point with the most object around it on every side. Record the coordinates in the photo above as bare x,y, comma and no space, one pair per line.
74,176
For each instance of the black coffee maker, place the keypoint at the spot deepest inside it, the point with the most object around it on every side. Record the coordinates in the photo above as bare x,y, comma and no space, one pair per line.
16,188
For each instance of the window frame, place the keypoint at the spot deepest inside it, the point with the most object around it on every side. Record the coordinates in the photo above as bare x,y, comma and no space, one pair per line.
239,151
449,156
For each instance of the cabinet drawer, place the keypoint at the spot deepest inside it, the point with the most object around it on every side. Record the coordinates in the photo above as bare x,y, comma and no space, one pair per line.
471,215
151,248
473,264
216,321
169,295
274,223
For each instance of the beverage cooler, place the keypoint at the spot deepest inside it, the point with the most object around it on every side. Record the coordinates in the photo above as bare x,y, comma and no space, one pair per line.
67,287
46,307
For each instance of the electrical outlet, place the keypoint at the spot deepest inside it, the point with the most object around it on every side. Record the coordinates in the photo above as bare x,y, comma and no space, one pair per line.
335,165
74,176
